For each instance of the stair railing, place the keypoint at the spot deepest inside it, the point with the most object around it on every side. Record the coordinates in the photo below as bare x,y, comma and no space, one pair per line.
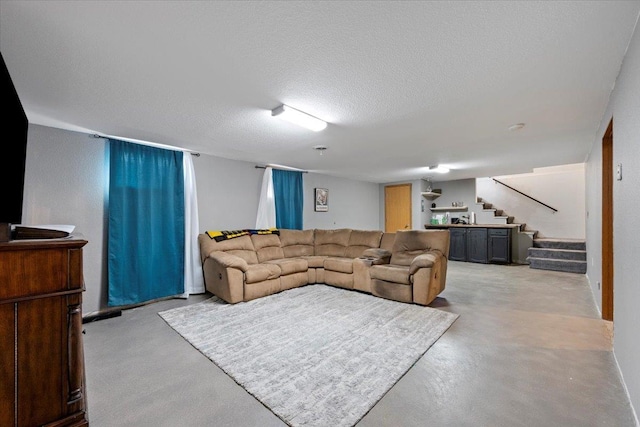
526,195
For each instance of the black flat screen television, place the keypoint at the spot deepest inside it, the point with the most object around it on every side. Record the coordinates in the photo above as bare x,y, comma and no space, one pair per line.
13,150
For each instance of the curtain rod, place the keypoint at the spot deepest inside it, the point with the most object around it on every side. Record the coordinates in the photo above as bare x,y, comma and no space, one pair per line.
281,168
193,153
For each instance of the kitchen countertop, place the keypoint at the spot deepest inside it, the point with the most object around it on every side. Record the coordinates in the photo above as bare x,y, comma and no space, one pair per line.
441,226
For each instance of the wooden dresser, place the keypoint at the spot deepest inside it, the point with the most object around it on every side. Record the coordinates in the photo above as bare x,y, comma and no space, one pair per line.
42,380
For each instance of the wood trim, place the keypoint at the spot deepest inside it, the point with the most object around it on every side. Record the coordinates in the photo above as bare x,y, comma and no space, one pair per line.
607,223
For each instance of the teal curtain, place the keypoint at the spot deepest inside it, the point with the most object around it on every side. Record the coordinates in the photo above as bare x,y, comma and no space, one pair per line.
288,191
146,223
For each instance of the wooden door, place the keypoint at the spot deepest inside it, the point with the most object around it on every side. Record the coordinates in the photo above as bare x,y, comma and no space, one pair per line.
397,207
607,223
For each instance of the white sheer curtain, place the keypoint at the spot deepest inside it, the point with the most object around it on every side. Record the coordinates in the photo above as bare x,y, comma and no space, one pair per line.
193,279
267,206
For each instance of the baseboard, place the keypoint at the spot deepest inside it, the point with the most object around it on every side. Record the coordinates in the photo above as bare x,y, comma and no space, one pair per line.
116,312
626,390
593,294
101,315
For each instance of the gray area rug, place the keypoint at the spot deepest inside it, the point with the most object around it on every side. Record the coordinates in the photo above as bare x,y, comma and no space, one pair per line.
315,355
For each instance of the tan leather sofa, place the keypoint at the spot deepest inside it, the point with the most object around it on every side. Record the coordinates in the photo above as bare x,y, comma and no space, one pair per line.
408,266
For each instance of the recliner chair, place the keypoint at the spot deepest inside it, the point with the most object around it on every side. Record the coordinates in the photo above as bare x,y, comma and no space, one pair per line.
417,268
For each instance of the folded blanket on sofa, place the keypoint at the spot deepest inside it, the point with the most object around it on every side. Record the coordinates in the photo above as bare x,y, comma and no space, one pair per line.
220,235
264,231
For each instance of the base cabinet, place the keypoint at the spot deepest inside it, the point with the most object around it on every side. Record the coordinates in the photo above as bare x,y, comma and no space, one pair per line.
41,351
458,244
499,245
480,244
477,245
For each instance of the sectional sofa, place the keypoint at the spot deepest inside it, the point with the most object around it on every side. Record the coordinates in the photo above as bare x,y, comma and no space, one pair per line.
408,266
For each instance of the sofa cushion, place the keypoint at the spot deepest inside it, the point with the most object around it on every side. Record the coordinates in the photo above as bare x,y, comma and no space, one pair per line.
239,246
297,243
341,265
290,265
332,242
387,241
267,247
410,243
315,261
360,240
391,273
260,272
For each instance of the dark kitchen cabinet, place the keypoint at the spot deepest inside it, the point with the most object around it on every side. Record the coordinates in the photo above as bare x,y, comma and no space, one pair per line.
468,244
458,244
499,245
480,244
477,245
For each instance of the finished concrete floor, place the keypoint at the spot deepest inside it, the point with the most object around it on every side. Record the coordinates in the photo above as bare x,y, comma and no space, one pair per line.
528,349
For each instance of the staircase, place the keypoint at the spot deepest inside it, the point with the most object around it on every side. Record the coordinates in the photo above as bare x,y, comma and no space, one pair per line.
567,255
522,238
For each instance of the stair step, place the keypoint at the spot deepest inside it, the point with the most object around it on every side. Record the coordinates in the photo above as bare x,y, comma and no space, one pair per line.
500,214
552,243
508,219
568,266
566,254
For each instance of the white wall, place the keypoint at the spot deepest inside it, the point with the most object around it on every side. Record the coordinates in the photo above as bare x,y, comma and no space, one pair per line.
66,182
562,187
228,193
66,178
459,190
624,108
232,202
352,204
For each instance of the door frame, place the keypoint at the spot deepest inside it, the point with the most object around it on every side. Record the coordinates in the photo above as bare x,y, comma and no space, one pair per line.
607,223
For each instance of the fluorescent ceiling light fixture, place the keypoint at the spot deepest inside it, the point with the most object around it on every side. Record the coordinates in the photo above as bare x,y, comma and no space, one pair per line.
299,118
438,169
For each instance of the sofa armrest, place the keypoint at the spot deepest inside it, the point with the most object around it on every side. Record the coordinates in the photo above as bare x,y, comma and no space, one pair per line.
424,261
377,256
428,274
229,261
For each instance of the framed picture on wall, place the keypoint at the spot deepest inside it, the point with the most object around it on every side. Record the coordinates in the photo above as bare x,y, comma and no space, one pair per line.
322,199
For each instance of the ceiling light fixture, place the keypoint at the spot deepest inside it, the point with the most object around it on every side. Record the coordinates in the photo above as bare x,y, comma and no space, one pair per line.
299,118
438,169
515,127
320,148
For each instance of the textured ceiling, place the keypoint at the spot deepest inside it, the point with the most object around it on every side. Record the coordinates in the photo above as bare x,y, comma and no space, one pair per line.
404,85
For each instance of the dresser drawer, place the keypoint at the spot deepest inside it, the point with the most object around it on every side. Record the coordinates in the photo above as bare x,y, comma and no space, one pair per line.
25,273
